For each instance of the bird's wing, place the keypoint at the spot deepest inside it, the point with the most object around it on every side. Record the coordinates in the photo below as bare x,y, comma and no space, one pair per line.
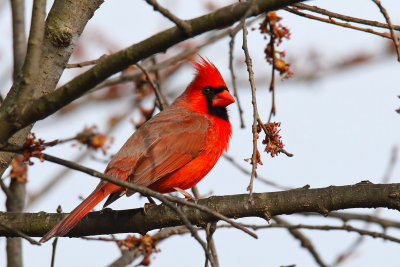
167,155
161,146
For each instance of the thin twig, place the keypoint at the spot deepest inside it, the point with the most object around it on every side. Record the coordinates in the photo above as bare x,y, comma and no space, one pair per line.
272,82
305,241
183,25
393,35
59,141
189,226
344,17
20,234
258,178
334,22
160,97
85,63
210,241
345,217
210,229
54,244
134,74
233,78
255,155
345,227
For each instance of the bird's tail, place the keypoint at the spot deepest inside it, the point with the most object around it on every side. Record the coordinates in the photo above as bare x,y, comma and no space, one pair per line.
68,222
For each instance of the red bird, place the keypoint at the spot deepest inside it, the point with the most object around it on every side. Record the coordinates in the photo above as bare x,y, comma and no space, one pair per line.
172,151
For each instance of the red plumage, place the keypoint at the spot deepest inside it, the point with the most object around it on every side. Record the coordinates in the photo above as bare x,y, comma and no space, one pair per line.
174,149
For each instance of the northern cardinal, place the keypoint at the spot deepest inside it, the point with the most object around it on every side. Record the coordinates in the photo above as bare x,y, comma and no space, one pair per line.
172,151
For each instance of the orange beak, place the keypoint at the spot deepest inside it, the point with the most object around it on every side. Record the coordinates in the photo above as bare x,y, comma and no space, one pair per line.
223,99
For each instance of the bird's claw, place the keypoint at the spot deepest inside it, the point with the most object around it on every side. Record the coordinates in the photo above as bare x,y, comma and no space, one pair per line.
187,196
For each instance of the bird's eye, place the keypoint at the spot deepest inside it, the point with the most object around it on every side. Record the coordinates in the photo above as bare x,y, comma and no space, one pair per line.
206,90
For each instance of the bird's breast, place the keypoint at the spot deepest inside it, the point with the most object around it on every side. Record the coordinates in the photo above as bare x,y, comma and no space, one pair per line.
217,140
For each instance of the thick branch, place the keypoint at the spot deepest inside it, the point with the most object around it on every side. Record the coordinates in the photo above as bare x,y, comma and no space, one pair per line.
64,24
47,105
266,205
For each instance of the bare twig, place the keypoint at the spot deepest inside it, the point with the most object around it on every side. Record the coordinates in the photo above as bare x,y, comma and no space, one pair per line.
160,97
272,82
191,229
21,234
344,17
183,25
334,22
210,241
85,63
345,217
345,227
54,244
391,28
210,229
305,242
233,77
60,141
255,155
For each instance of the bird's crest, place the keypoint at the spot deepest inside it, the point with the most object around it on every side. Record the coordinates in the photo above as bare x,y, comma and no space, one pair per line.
206,74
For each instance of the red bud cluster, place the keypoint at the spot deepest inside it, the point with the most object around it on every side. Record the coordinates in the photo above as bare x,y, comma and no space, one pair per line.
272,139
93,139
277,33
145,244
31,148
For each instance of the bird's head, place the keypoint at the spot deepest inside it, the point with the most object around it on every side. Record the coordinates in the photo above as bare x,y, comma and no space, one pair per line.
207,93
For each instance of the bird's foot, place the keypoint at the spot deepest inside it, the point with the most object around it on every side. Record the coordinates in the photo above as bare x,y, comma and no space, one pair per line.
187,196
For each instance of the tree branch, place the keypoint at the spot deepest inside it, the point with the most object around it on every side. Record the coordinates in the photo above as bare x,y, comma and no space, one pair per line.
19,39
183,25
391,28
50,103
345,17
107,221
304,240
62,30
334,22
